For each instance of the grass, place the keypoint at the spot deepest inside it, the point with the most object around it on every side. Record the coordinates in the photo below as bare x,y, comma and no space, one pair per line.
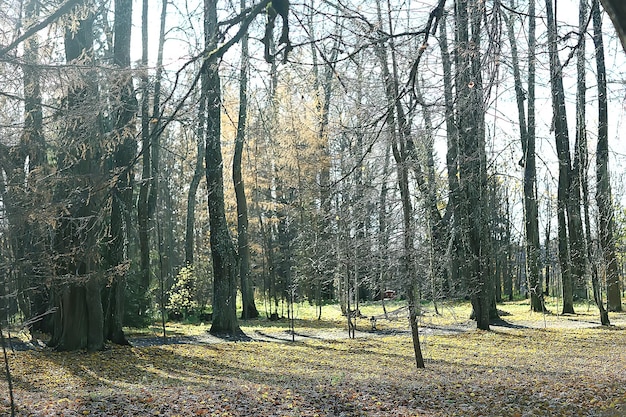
537,365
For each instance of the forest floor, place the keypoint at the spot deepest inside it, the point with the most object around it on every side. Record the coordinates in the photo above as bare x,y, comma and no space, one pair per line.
529,364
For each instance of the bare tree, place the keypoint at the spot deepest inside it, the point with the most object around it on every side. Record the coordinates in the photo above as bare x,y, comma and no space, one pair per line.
528,161
222,248
243,247
603,191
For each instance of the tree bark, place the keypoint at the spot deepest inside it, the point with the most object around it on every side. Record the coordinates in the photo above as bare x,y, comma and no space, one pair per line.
603,188
396,121
566,261
143,208
249,310
78,321
473,204
452,136
28,167
527,134
197,173
222,247
122,193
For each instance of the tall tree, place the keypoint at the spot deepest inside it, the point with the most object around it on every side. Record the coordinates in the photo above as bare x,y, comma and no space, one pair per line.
527,134
452,137
122,193
151,129
583,155
472,209
569,268
579,163
323,87
243,245
144,211
197,173
399,131
28,166
603,188
78,321
222,248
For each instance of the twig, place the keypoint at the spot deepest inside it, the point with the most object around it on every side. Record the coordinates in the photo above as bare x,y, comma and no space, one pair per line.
7,371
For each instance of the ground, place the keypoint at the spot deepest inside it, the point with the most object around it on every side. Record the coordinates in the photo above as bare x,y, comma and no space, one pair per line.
529,365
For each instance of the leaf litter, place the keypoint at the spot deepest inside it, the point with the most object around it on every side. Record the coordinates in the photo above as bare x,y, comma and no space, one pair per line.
517,369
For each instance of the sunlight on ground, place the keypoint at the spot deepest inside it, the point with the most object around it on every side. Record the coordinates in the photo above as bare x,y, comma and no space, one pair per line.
519,368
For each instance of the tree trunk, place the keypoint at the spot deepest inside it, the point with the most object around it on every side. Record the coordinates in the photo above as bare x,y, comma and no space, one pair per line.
579,248
122,193
323,87
452,136
568,268
527,134
78,322
603,188
28,167
197,173
222,247
249,310
396,120
143,209
473,204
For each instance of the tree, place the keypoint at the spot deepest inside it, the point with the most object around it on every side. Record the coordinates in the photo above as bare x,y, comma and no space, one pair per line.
222,249
399,130
568,249
25,168
78,321
452,160
151,128
603,189
243,248
472,208
122,192
528,161
582,149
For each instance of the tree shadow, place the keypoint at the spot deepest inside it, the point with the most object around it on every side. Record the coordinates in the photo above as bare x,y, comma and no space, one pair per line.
507,324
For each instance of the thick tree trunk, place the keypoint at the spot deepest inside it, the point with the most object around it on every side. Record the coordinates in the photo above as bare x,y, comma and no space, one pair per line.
78,321
222,247
603,188
473,204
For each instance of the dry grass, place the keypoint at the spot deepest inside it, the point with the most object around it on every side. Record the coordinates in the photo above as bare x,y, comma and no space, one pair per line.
521,369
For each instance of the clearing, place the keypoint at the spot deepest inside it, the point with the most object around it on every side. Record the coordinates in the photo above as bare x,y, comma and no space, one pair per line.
529,365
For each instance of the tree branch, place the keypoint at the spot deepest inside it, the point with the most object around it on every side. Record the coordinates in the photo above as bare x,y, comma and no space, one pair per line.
64,8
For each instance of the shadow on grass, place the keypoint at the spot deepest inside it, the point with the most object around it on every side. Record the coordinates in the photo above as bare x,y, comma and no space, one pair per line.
507,324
